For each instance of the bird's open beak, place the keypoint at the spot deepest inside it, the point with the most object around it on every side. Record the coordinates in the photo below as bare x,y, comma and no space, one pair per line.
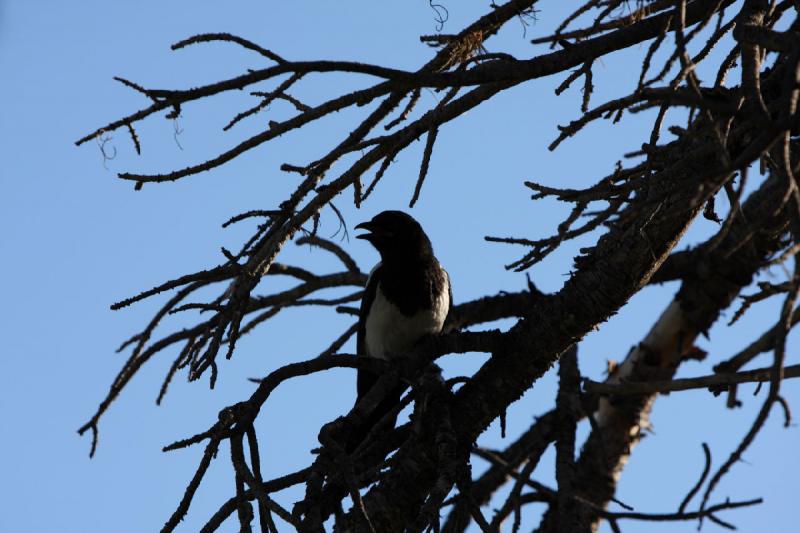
375,232
366,226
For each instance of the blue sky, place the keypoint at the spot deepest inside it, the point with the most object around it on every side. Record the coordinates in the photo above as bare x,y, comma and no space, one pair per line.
76,239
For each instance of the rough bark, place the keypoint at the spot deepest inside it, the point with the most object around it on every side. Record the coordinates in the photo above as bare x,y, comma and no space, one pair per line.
622,263
721,274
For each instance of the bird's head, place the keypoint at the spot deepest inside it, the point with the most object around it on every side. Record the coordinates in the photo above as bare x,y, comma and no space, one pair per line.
396,235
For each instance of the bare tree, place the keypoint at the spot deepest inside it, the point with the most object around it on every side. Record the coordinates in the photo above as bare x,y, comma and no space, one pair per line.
643,207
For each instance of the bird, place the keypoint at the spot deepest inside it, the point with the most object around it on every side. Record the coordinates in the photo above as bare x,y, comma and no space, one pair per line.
407,296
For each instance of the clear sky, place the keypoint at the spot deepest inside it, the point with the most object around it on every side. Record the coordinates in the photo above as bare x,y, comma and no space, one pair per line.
75,239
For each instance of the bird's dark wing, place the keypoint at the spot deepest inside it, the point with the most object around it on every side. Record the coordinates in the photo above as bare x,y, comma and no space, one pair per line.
366,379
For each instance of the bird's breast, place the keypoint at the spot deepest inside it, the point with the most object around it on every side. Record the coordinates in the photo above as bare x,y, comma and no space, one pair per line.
389,332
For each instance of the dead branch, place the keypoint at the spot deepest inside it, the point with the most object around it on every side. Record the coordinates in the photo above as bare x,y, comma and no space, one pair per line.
712,382
637,213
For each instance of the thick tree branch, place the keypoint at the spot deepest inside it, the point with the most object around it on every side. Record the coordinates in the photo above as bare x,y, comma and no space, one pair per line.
698,303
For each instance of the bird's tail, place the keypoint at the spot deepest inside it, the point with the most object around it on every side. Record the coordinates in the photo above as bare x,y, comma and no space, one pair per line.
384,408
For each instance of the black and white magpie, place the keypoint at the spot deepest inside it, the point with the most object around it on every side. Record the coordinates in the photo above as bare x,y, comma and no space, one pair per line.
407,296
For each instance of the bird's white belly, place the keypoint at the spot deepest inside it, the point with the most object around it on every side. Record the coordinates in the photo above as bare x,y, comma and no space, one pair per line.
389,332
